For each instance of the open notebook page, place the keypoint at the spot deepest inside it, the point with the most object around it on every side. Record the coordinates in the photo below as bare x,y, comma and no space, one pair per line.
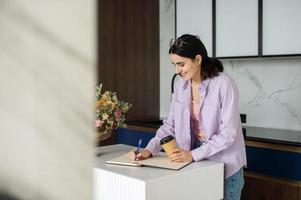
161,161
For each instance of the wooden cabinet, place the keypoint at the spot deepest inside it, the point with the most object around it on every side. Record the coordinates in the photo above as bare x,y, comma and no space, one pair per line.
128,53
273,171
261,187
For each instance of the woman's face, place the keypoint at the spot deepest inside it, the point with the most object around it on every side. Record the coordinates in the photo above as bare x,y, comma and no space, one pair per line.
187,68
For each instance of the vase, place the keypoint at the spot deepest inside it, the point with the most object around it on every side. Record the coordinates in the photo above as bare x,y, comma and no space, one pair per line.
103,134
106,137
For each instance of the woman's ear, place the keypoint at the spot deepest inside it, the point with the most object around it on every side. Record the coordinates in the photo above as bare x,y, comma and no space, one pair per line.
198,59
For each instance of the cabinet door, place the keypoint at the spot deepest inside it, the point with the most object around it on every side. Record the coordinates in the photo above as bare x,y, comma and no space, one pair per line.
281,27
195,17
236,28
258,186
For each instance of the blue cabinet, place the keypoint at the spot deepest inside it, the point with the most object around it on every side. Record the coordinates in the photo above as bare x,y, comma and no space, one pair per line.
131,137
275,163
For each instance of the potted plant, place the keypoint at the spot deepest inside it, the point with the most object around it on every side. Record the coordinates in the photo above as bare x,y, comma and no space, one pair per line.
109,113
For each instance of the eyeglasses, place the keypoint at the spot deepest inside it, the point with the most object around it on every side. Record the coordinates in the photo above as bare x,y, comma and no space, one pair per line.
177,42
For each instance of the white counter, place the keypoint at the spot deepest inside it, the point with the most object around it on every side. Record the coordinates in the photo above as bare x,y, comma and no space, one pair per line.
199,180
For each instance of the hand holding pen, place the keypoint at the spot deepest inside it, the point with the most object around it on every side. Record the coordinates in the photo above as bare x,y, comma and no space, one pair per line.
138,148
140,155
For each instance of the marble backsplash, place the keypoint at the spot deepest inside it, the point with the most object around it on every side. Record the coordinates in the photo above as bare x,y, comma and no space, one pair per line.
270,91
47,76
167,32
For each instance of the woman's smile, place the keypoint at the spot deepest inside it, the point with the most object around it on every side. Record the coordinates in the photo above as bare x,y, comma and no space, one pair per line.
187,68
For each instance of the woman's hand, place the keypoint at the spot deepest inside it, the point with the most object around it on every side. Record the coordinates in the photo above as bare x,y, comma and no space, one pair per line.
144,154
181,155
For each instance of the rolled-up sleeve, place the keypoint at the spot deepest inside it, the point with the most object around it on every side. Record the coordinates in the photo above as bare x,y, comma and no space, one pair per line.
229,122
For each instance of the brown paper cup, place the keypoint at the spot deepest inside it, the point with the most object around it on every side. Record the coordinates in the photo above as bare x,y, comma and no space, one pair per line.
169,144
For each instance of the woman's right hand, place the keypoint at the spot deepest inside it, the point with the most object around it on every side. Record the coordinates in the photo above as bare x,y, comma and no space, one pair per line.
144,154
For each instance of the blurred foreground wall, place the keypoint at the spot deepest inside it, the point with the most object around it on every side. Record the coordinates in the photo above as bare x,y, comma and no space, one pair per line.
47,69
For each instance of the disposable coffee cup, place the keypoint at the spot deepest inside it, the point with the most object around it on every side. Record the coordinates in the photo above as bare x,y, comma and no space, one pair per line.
169,144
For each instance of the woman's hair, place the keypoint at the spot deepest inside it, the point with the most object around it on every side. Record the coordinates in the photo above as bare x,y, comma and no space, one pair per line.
189,46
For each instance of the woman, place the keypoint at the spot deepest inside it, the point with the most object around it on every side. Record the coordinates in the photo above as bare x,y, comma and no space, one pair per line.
204,114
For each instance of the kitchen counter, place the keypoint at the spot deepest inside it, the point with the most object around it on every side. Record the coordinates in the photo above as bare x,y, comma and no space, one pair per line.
278,136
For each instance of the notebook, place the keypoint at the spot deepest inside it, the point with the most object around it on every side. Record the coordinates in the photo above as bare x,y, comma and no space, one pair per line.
161,161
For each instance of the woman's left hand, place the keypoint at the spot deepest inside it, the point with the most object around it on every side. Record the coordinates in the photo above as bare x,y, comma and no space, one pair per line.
181,155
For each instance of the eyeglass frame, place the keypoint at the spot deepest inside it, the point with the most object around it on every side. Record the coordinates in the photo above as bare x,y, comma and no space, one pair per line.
177,42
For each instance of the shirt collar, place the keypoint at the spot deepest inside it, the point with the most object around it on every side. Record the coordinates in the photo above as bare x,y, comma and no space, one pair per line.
187,89
204,84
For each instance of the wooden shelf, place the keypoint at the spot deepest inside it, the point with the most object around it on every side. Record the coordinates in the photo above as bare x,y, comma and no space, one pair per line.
281,147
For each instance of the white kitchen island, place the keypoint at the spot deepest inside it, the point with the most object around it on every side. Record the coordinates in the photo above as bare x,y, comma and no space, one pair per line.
199,180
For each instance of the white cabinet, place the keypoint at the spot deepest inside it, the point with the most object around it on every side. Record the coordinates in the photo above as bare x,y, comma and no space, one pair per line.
236,28
281,27
238,32
195,17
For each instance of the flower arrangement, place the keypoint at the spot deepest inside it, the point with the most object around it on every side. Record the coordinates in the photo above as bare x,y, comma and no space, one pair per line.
110,112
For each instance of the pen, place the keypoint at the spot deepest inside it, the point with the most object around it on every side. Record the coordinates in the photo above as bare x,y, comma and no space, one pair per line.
138,148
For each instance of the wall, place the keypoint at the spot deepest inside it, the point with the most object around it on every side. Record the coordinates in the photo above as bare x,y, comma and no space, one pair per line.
128,51
167,32
47,67
270,89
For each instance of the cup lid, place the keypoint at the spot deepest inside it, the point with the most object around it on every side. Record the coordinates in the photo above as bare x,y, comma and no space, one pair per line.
166,139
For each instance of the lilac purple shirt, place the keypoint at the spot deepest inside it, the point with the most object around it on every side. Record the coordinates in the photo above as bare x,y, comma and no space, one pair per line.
219,119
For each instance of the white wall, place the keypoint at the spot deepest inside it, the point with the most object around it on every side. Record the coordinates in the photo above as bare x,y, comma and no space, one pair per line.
270,89
47,65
